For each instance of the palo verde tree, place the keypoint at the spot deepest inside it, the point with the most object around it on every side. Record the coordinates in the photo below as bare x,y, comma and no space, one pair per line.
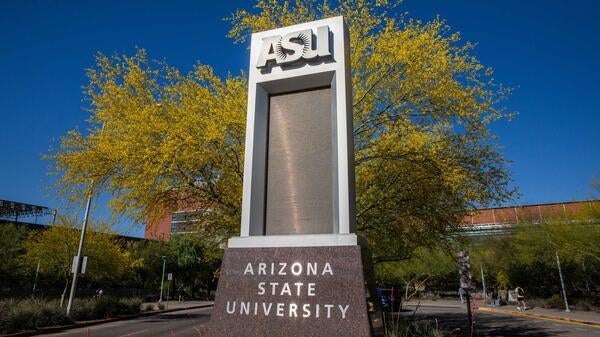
425,267
55,247
195,263
193,260
423,104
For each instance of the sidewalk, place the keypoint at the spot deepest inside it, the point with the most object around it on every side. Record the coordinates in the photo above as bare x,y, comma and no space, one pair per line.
176,305
581,317
436,303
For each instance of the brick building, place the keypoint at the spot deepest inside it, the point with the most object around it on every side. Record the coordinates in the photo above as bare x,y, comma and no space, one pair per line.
487,220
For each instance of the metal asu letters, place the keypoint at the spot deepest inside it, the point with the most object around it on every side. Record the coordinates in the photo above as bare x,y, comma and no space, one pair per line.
296,268
293,47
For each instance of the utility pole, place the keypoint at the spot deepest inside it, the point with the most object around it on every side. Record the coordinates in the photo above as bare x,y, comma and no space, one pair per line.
79,252
562,282
162,281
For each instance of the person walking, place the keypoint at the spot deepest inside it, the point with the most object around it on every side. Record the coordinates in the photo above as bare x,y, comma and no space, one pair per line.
495,296
520,298
461,294
180,293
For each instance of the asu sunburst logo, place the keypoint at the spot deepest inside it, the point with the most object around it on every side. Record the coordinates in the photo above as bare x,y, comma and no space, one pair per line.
294,47
302,38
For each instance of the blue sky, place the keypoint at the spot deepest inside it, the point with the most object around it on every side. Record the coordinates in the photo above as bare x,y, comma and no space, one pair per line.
548,50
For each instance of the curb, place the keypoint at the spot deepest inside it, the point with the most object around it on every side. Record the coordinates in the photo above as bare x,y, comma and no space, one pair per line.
548,317
52,329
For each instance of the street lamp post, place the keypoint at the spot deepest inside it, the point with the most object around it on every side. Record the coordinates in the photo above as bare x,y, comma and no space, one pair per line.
79,259
162,280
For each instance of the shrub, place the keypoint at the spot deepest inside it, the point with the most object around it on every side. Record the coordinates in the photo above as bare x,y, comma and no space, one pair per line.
148,307
84,309
585,304
51,314
33,314
111,306
30,314
397,326
133,305
554,302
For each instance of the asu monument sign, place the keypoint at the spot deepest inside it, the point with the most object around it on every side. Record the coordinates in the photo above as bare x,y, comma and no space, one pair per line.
296,268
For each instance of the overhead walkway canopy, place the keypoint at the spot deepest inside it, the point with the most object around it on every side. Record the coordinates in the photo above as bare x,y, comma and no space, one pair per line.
502,220
17,210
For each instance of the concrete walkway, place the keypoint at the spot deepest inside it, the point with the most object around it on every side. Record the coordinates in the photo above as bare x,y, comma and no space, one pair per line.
436,303
177,305
575,316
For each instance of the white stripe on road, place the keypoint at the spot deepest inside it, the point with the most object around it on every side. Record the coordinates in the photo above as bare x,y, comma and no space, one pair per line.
88,328
133,333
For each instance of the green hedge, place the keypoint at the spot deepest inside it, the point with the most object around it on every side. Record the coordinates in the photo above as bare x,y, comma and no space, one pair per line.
105,307
31,314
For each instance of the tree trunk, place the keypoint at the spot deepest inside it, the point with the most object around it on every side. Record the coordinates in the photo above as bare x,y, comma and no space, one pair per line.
62,297
407,284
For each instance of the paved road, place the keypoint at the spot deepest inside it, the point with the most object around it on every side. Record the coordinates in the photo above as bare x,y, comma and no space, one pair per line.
174,324
184,324
496,325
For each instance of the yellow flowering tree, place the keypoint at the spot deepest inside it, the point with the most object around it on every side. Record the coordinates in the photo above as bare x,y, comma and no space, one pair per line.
53,249
159,140
425,156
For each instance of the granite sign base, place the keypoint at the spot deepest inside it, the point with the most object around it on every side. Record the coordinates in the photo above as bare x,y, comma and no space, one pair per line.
290,291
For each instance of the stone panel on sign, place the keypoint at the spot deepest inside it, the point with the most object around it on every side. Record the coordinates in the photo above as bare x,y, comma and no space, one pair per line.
291,291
